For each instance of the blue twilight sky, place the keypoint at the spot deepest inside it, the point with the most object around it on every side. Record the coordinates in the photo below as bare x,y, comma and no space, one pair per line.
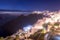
30,4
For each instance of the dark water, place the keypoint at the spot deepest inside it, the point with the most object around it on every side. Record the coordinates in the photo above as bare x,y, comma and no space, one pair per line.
4,18
13,26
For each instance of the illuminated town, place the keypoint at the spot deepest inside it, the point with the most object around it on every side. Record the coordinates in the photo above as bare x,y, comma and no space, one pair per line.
43,29
29,19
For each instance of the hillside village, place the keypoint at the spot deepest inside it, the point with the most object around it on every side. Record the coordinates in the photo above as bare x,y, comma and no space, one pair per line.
41,27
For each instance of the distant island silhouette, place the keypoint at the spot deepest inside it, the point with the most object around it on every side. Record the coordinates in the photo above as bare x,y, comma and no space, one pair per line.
16,10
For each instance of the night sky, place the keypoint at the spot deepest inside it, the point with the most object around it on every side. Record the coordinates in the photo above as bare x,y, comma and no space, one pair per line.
30,4
22,21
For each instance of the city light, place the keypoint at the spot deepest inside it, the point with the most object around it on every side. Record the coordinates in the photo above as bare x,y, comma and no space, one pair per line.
27,28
